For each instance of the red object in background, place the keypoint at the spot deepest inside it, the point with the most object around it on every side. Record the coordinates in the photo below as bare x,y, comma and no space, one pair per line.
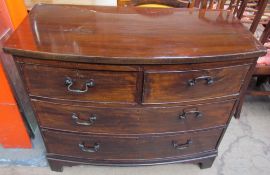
265,60
13,133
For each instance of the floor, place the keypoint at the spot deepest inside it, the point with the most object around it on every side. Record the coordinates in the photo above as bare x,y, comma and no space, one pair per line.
245,149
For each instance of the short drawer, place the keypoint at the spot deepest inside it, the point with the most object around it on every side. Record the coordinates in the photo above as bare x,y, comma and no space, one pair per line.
80,85
132,121
182,86
130,148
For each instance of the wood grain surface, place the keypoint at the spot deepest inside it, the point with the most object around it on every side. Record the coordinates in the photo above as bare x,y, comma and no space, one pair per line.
121,35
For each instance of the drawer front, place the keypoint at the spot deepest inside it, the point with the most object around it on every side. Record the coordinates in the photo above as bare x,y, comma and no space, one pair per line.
130,148
80,85
132,121
174,87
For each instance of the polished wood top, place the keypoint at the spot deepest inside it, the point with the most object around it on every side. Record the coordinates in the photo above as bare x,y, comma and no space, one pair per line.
120,35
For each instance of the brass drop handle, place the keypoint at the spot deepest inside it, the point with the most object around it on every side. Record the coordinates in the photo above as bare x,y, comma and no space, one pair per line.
90,121
197,114
88,149
69,83
182,146
209,80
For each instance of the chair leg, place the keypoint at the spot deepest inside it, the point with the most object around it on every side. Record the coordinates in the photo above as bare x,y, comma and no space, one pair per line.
261,80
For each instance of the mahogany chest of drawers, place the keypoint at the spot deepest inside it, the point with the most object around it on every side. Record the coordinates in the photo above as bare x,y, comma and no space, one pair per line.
132,86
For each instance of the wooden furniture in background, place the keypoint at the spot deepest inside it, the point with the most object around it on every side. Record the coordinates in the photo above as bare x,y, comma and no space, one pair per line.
233,5
214,4
255,13
129,86
266,34
154,3
262,71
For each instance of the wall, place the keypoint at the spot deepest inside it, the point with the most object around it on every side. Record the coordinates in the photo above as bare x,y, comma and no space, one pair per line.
30,3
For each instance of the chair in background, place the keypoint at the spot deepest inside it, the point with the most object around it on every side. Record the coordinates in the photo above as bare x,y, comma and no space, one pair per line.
154,3
256,14
232,5
215,4
262,71
204,4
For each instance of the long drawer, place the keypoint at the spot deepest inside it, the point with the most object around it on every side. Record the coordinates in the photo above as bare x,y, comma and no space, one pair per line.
192,85
130,148
148,120
80,85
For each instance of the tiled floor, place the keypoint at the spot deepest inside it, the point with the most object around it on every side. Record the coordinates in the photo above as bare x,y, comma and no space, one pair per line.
245,150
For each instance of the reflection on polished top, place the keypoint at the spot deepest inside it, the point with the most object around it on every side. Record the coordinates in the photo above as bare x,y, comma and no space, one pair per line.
131,35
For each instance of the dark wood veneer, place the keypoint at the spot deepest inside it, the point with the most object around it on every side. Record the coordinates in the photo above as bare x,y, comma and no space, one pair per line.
175,86
127,86
133,121
129,148
108,86
106,35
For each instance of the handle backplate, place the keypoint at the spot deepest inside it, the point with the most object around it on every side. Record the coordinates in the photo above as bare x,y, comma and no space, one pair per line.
88,149
195,113
90,121
208,79
181,146
69,82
